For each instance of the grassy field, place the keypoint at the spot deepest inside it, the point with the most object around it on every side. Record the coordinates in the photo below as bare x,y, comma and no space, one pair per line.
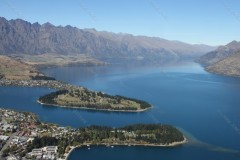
12,69
24,67
84,97
52,60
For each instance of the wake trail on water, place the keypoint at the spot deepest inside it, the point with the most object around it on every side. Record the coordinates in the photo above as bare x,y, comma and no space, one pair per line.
193,141
203,81
229,122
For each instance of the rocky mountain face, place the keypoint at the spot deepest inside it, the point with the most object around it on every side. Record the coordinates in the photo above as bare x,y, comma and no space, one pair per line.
21,37
220,53
225,60
229,66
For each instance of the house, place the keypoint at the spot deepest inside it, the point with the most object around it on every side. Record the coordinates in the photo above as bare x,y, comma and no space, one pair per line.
48,153
51,149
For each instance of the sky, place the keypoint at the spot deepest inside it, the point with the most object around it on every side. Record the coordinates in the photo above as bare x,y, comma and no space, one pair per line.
212,22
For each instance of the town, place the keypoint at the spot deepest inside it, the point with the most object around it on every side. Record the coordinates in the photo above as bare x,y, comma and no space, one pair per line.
18,130
53,84
23,137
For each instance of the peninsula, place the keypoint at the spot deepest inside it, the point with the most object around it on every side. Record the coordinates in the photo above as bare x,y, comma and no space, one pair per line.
16,73
80,97
22,135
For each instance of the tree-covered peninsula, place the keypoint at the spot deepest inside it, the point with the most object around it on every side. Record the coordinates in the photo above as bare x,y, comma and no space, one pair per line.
79,97
29,138
136,135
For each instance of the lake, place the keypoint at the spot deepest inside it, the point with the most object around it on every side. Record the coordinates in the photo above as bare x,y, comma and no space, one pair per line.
206,107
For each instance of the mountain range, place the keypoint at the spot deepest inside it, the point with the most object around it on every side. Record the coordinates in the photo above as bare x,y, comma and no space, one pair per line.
31,42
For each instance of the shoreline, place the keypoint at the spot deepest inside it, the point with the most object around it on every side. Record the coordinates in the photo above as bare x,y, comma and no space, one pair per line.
50,84
95,109
221,74
57,85
173,144
70,151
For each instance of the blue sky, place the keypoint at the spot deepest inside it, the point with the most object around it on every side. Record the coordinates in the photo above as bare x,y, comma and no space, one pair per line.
213,22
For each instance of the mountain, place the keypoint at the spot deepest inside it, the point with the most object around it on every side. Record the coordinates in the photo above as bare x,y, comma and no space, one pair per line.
229,66
19,37
220,53
224,60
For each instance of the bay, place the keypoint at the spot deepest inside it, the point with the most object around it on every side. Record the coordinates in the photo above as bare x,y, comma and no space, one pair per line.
203,105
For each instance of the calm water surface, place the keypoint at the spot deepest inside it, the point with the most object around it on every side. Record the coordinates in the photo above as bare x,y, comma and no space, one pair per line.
205,106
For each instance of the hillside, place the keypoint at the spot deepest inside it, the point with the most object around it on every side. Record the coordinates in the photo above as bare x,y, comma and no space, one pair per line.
19,38
224,60
229,66
220,53
11,69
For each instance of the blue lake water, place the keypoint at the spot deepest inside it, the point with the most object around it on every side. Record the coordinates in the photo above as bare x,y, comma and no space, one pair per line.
203,105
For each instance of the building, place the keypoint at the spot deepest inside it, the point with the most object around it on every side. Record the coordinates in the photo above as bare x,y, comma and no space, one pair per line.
4,138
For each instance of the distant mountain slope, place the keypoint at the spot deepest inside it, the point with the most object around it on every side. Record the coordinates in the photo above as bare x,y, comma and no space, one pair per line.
228,66
11,69
220,53
21,37
225,60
